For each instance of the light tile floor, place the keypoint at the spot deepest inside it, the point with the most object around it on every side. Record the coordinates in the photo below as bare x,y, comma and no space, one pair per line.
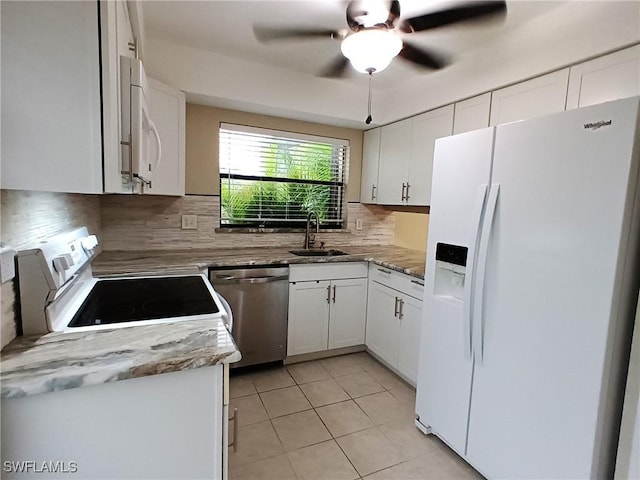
340,418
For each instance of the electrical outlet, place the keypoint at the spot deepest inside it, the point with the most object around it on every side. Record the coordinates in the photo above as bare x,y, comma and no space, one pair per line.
358,224
189,222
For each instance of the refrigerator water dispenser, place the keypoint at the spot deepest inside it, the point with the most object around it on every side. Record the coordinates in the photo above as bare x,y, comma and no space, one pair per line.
451,267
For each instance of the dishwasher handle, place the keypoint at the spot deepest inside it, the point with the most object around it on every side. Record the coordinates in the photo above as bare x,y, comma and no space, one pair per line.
228,279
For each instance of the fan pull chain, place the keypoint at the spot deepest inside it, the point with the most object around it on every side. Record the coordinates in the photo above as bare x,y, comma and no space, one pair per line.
369,119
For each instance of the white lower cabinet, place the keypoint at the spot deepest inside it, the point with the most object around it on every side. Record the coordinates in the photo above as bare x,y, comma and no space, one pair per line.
383,330
348,310
394,315
409,337
308,317
327,307
165,426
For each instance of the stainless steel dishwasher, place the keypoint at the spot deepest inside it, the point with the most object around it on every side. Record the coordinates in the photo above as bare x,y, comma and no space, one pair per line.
259,300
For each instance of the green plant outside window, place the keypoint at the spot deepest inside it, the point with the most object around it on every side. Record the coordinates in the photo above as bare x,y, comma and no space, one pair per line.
275,180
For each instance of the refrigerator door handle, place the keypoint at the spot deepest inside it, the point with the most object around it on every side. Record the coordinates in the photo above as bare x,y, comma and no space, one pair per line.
478,324
468,286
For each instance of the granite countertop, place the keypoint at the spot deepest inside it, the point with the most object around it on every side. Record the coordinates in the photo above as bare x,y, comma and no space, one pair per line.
411,262
60,360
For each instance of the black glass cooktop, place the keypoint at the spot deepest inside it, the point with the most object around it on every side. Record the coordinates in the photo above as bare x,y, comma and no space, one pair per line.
136,299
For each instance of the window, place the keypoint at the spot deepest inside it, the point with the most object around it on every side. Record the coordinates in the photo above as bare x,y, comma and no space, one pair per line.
275,179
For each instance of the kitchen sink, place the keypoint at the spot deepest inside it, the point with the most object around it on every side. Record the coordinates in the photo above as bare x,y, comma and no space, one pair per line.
318,253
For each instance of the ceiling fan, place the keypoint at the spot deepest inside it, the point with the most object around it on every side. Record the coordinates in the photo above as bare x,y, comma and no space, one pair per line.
374,39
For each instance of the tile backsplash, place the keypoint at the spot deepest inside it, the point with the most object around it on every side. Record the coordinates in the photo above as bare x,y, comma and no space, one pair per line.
27,218
154,223
127,222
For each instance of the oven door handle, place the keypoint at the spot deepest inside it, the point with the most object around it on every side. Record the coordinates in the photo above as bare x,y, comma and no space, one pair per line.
227,315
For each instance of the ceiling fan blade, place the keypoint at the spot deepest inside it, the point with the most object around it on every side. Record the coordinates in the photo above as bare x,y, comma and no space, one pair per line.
269,34
423,57
394,13
461,13
354,10
337,68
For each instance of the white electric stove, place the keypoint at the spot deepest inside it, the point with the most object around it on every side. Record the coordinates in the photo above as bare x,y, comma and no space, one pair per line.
58,291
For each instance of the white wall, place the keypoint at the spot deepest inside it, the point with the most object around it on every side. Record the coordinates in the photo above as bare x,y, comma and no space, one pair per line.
241,85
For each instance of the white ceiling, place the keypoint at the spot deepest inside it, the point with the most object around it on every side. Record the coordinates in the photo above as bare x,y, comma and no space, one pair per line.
226,27
208,49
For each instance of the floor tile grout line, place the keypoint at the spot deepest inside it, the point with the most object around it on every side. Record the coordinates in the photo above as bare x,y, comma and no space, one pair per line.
314,408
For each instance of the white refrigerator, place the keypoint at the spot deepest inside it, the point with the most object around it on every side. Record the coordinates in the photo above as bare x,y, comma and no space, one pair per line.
530,292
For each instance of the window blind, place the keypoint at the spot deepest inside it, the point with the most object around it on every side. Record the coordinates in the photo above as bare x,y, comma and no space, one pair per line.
272,178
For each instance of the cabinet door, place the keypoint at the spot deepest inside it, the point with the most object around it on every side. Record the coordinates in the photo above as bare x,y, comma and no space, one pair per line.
168,114
395,148
115,33
51,125
533,98
425,129
383,325
308,317
472,114
409,338
604,79
370,160
348,312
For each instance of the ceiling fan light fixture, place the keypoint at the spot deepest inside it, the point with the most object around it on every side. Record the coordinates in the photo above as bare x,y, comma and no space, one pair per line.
371,49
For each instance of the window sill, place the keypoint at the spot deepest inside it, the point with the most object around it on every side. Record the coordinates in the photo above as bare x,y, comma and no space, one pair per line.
276,230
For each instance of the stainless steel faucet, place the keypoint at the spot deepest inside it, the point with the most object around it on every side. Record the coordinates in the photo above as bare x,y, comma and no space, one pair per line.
310,238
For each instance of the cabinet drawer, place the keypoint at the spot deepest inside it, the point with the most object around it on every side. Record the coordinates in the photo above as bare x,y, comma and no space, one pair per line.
327,271
402,282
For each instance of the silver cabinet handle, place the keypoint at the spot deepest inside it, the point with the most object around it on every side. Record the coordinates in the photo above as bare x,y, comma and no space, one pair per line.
384,271
395,308
128,172
400,314
406,197
334,294
373,191
328,293
234,419
404,185
417,282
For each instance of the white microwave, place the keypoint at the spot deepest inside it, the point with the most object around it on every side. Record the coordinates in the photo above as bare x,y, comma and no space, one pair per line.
141,150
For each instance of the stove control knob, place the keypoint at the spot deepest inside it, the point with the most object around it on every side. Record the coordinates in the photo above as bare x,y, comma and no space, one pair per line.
90,242
63,262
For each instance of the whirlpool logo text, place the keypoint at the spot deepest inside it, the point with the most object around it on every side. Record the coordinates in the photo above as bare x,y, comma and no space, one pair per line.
597,125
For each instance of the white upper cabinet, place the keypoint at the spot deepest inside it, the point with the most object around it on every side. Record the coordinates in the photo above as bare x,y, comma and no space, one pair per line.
406,157
604,79
425,129
116,40
51,125
395,148
370,160
472,114
168,114
533,98
61,100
